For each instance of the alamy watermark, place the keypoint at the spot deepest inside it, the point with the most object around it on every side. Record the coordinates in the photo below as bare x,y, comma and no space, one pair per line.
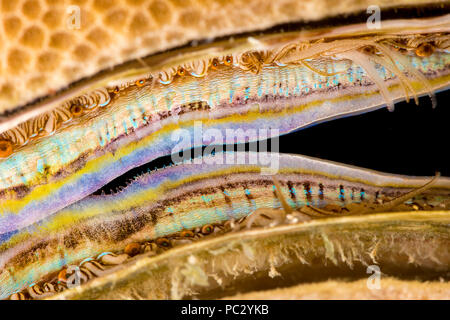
74,280
214,139
73,20
374,281
374,20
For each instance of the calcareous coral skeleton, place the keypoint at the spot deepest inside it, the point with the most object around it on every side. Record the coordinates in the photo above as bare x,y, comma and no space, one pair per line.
91,90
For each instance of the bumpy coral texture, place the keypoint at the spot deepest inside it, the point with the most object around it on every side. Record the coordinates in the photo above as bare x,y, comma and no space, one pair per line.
42,50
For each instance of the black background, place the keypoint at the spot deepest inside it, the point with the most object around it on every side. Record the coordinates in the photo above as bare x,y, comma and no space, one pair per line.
412,140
